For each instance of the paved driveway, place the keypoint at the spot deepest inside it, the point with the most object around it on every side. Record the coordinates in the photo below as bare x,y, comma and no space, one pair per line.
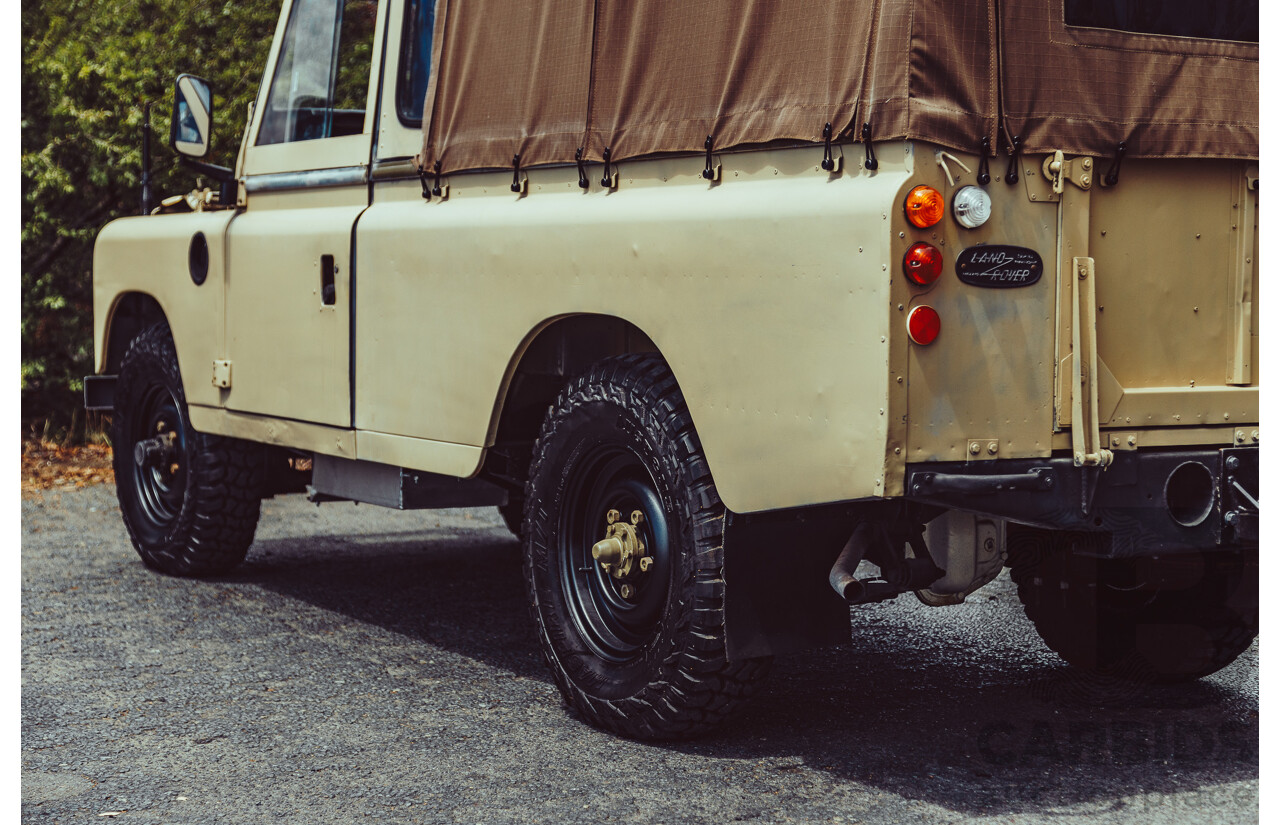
368,665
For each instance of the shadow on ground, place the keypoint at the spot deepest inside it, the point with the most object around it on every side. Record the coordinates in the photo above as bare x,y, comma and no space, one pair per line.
968,712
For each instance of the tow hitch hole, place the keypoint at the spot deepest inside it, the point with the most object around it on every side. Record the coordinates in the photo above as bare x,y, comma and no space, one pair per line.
1189,494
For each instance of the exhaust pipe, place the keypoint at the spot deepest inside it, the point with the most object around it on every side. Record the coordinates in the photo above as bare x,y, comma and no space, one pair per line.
899,574
842,576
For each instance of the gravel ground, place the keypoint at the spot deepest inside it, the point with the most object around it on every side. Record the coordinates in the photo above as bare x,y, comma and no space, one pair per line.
373,665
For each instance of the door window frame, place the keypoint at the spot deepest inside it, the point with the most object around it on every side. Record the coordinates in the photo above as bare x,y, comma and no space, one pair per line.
396,141
321,153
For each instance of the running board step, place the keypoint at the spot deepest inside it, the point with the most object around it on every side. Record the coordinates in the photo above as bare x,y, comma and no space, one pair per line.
344,479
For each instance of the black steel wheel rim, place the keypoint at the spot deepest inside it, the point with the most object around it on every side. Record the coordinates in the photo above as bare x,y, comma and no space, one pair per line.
615,628
159,484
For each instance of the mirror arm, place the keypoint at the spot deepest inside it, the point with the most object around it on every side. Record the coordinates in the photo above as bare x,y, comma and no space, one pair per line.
225,177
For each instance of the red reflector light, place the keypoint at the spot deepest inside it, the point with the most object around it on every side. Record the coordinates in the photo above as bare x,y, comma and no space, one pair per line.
924,206
923,325
922,263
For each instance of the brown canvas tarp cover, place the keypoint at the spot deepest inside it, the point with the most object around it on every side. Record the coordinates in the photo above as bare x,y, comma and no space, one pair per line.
545,78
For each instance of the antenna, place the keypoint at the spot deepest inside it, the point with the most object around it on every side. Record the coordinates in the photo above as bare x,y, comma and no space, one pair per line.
146,159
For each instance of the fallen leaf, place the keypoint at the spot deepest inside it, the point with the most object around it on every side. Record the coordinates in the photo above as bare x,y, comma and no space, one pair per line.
51,466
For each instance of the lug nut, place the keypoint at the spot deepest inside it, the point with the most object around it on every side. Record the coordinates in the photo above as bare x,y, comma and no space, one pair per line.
627,591
645,564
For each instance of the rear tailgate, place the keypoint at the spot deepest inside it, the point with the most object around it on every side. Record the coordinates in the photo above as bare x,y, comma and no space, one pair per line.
1174,246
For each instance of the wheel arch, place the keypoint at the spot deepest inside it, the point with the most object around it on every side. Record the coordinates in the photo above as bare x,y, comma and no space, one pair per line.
550,354
131,312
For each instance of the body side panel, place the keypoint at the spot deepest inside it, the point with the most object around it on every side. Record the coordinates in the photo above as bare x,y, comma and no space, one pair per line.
767,294
150,255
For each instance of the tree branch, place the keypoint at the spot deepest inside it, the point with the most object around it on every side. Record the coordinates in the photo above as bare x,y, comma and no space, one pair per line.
36,265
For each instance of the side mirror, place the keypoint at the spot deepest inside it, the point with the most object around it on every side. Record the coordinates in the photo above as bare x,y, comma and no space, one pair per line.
192,123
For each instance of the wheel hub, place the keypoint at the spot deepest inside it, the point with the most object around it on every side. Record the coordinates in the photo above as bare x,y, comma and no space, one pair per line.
622,550
156,451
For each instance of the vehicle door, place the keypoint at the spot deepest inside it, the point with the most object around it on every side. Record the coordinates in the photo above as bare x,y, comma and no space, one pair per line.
290,283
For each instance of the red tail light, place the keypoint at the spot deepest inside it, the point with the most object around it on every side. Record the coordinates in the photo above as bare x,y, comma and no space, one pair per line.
922,263
923,325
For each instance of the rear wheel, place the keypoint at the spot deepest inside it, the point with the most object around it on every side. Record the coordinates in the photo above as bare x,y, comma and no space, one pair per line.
624,557
190,501
1167,619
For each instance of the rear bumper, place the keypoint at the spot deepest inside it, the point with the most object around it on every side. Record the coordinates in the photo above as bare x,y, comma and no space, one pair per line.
1150,502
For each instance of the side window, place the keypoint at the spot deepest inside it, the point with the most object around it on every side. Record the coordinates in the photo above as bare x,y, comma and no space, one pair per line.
1221,20
322,75
415,60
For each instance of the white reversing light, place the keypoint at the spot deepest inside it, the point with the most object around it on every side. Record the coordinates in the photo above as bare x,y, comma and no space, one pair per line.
971,206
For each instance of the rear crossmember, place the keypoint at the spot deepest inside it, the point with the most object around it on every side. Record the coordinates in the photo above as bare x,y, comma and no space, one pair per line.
1150,502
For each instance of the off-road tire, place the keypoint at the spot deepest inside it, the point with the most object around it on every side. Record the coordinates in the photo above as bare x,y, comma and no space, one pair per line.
670,679
197,519
1170,619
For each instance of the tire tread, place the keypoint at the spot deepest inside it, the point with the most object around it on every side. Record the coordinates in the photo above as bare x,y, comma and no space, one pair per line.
700,687
219,516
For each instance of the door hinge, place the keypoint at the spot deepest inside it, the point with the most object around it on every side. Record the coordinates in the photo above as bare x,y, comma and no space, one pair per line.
222,374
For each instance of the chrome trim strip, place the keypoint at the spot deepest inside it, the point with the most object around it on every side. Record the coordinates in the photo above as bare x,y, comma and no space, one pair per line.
282,181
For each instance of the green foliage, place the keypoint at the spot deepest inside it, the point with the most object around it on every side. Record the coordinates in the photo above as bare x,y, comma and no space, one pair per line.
88,68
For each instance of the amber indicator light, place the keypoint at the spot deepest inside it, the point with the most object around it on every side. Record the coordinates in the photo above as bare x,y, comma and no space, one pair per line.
922,264
923,325
925,206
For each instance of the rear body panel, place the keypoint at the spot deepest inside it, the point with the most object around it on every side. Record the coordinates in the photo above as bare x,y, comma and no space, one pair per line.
1174,250
989,376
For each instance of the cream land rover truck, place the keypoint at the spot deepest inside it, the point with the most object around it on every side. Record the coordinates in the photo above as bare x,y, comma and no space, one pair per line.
718,301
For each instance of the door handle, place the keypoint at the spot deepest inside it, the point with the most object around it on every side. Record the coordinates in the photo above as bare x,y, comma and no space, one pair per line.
328,292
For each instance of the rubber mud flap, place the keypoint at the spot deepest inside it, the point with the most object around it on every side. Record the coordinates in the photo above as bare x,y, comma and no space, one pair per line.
777,598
